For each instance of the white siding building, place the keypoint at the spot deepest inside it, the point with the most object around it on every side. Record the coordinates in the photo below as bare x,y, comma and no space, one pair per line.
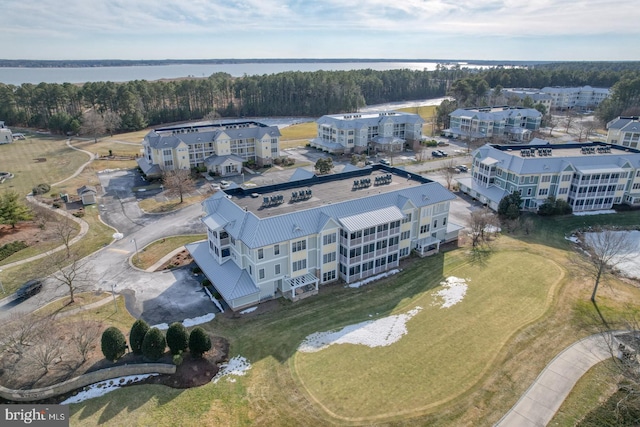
511,123
589,176
222,147
355,133
345,226
624,131
578,98
6,136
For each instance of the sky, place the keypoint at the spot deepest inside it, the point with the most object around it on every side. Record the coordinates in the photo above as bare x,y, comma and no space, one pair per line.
389,29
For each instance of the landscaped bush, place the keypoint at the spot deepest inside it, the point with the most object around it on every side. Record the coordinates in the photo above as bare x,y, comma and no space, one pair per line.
43,188
196,270
78,214
113,344
11,248
136,336
177,338
206,282
199,342
154,344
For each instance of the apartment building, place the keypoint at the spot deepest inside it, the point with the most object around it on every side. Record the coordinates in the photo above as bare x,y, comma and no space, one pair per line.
576,98
222,147
357,133
589,176
534,94
289,239
510,123
6,136
624,131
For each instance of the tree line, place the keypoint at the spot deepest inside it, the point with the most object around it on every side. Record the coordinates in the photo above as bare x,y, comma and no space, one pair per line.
134,105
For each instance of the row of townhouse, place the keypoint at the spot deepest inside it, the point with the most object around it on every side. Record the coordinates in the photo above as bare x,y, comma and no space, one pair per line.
255,252
624,131
220,147
357,133
534,94
589,176
576,98
504,122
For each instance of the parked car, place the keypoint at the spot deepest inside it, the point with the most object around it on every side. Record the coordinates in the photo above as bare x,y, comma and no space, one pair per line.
224,184
462,168
442,143
442,153
436,153
385,162
29,289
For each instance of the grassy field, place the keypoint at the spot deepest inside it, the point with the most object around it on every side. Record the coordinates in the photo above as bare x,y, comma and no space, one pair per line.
114,144
38,160
507,291
153,252
306,130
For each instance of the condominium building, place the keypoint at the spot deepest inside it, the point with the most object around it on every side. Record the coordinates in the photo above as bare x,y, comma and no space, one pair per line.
578,98
624,131
222,148
288,239
357,133
6,136
510,123
535,95
589,176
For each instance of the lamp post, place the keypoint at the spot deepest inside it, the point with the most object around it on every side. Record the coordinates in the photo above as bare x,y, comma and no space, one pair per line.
113,293
136,246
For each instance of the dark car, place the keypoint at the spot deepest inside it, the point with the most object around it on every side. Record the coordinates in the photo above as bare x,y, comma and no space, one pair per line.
436,153
29,289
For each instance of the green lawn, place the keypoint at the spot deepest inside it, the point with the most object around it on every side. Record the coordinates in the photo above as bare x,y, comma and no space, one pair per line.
306,130
467,336
153,252
38,160
355,382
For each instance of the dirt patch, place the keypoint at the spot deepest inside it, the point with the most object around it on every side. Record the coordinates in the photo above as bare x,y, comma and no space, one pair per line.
29,232
180,259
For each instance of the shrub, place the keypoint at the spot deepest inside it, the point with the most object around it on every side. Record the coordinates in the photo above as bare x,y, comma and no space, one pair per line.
11,248
136,336
78,214
43,188
153,344
177,338
196,270
113,344
177,359
199,342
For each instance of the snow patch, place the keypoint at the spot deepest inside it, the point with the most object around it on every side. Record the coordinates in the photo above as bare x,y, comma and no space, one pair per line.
453,291
373,278
630,264
372,333
572,239
237,365
249,310
602,212
104,387
189,322
214,300
492,229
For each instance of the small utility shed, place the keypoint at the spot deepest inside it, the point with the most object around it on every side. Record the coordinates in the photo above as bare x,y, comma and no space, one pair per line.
88,194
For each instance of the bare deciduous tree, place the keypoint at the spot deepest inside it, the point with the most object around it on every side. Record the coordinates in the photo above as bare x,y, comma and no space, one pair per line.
70,272
46,350
85,335
607,250
92,124
482,223
586,128
21,331
178,182
448,172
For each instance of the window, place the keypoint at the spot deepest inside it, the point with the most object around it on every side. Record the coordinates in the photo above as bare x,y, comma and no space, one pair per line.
250,271
168,163
546,178
424,228
405,235
356,235
300,245
277,269
328,275
226,252
563,191
383,227
370,231
367,266
444,221
260,253
166,152
261,273
327,239
368,248
566,178
354,270
354,252
276,250
381,244
330,257
380,262
299,265
543,192
407,218
636,186
404,251
393,241
528,191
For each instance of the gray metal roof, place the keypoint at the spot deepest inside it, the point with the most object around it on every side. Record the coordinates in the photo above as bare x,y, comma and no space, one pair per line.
300,174
218,160
231,281
363,120
371,218
496,113
255,232
159,139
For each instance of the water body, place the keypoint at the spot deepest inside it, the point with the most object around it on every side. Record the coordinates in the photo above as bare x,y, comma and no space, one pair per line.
18,75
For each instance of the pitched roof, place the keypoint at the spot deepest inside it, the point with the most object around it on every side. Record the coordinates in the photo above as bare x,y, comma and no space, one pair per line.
255,232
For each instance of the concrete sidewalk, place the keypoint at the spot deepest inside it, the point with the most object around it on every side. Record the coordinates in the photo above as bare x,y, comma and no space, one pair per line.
543,398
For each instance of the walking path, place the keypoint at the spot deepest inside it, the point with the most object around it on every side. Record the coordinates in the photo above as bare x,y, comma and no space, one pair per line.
543,398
